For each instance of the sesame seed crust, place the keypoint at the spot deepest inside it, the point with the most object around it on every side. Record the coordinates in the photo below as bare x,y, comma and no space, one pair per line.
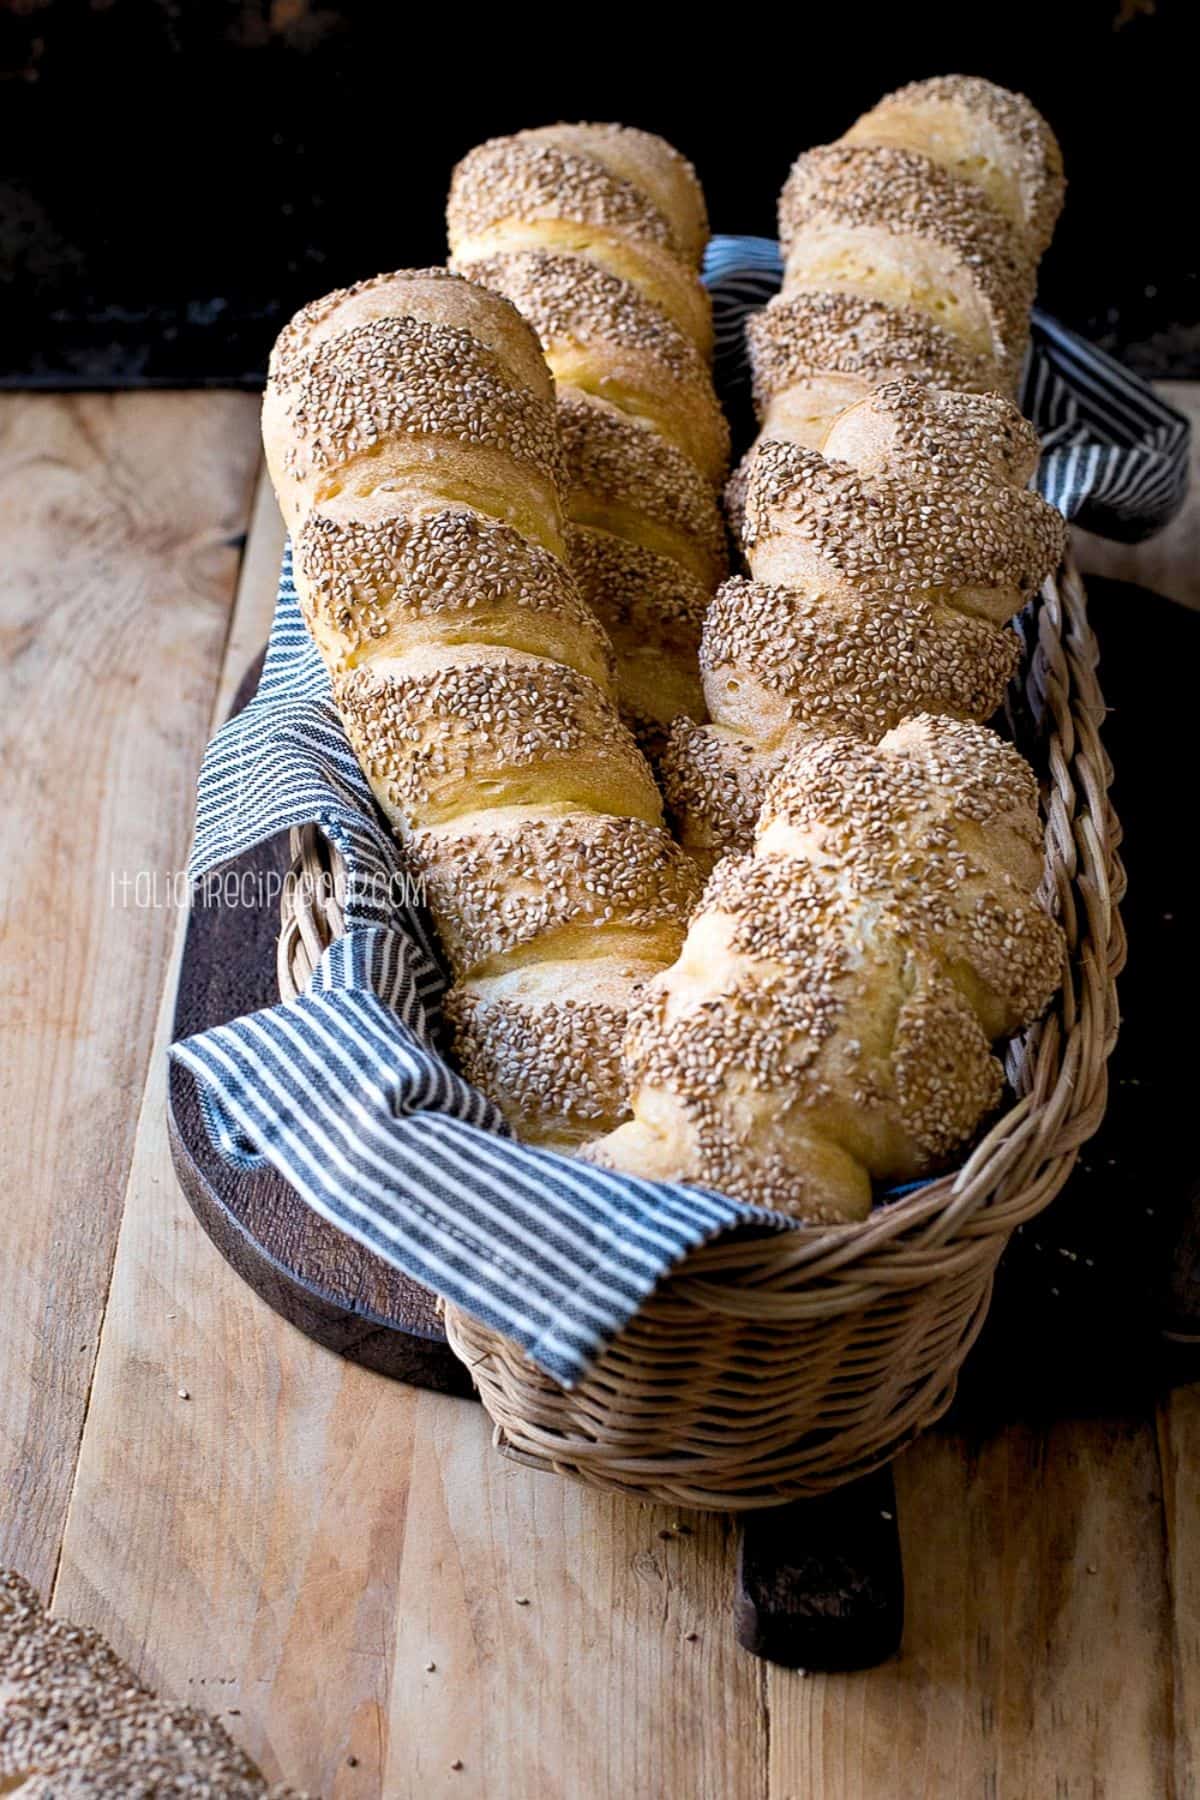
77,1724
568,296
396,377
937,827
363,582
554,1067
651,608
501,890
1033,149
830,1018
879,586
525,178
800,334
847,662
614,459
945,1076
600,331
475,684
292,348
440,730
904,193
936,509
651,164
714,783
634,590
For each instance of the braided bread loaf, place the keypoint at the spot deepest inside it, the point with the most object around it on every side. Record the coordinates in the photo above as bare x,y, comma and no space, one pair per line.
829,1018
411,435
595,233
828,1022
883,571
910,250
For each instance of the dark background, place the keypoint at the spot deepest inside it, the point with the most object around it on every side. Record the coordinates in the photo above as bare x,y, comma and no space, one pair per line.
177,177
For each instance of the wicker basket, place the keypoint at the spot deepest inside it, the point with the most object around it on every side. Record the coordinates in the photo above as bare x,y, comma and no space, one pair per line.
773,1366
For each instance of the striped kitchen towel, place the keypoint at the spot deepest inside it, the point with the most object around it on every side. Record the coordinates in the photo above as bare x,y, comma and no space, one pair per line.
343,1089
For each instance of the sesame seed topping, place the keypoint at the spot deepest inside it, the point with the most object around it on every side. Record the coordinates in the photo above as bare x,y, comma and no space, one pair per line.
365,583
76,1721
448,729
802,333
941,504
526,178
395,377
496,890
852,186
1031,152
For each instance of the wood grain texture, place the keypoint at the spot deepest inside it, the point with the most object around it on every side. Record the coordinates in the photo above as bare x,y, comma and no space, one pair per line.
618,1677
120,520
1179,1449
1037,1654
1169,563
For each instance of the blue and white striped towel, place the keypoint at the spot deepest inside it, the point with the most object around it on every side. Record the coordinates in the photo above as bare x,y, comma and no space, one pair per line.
343,1089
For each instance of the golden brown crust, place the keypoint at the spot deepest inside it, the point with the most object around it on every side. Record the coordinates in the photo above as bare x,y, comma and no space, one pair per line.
653,611
650,164
936,511
883,569
551,1061
594,232
448,730
714,782
937,825
435,296
621,475
411,431
611,177
837,658
910,200
828,1021
543,881
984,134
805,333
372,586
601,335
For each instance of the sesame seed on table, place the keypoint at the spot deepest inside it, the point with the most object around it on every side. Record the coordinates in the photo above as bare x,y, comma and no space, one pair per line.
333,1564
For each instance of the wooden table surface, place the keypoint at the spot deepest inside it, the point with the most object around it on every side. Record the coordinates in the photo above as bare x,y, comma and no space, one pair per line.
332,1561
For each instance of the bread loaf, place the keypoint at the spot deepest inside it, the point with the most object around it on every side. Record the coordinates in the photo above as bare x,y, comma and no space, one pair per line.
873,924
411,435
595,233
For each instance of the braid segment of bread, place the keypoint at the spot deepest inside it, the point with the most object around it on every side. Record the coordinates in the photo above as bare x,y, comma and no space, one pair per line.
411,434
883,571
595,232
828,1021
910,250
